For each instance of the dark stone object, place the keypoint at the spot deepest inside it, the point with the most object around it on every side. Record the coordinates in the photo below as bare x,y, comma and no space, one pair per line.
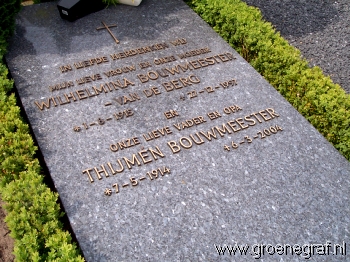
71,10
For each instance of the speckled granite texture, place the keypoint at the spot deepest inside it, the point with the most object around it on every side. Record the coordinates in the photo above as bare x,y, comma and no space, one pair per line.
291,187
319,29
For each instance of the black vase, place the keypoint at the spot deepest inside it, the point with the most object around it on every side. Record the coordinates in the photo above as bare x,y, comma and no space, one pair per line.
71,10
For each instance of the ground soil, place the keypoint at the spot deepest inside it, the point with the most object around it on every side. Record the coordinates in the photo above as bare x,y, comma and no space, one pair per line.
6,242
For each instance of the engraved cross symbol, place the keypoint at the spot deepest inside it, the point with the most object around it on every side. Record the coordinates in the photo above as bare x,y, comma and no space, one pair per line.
109,31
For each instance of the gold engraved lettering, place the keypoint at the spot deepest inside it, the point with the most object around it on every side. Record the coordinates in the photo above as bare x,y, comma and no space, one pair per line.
145,65
185,67
81,94
223,57
156,153
232,109
152,91
192,79
254,114
194,52
78,65
87,171
209,135
202,62
53,101
155,90
264,115
117,84
70,96
148,138
174,147
201,141
88,79
143,78
136,141
163,60
127,83
109,87
43,104
155,134
134,96
180,41
196,121
214,115
210,60
185,82
232,124
215,58
118,170
65,68
195,64
89,94
176,84
272,112
171,114
122,100
103,170
188,141
209,89
61,102
202,119
121,145
241,123
90,62
167,130
143,154
122,55
114,147
172,70
189,123
152,75
248,119
223,130
148,92
133,181
132,161
99,90
230,56
162,73
61,86
168,87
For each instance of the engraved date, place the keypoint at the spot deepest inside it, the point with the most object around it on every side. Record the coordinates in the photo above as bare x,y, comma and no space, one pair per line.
101,121
134,181
260,134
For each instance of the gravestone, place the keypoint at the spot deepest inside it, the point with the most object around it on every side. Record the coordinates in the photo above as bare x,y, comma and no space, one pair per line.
163,143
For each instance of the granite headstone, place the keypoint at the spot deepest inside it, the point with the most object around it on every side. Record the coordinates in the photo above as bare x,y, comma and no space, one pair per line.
164,143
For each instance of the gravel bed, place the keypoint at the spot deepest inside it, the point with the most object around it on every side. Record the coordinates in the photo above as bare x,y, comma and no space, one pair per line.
320,29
